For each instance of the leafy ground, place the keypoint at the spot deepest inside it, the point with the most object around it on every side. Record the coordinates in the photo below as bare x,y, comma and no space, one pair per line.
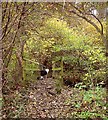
40,100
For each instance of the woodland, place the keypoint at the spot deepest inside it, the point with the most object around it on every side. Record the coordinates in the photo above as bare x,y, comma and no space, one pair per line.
67,38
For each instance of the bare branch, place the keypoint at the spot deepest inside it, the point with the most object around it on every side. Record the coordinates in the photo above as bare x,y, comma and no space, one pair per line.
89,21
99,22
84,17
10,47
7,23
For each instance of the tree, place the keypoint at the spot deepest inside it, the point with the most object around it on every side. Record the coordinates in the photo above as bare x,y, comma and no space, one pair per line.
13,18
85,12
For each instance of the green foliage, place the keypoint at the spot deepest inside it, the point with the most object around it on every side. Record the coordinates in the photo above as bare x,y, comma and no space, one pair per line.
95,65
65,37
88,104
55,35
86,56
95,95
88,115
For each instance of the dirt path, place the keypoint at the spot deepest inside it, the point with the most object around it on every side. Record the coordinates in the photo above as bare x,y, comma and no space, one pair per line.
40,100
45,102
